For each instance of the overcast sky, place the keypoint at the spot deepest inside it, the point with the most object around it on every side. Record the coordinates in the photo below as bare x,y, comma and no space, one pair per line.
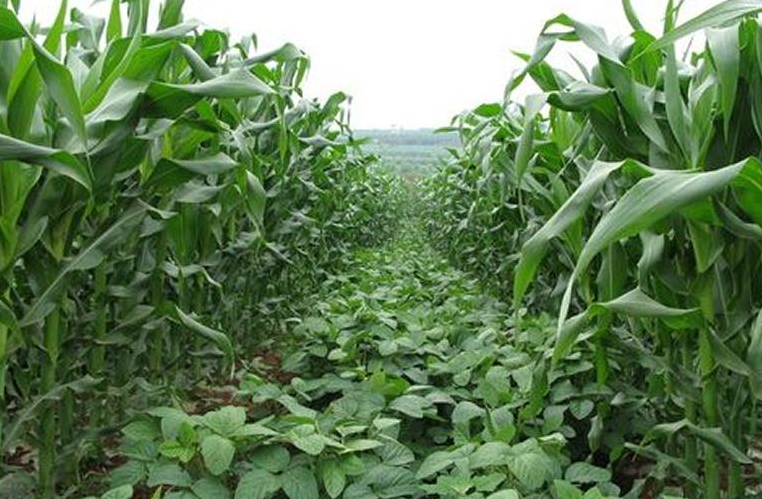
407,63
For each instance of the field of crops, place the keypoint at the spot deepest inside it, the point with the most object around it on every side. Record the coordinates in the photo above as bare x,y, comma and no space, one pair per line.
409,152
211,288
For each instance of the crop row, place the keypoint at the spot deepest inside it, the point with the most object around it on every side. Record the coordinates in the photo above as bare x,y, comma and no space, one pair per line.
626,200
162,194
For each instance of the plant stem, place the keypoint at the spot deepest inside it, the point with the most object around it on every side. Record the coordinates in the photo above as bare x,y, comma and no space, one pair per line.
47,437
691,414
68,468
157,298
3,368
737,419
98,359
198,341
184,338
66,430
711,462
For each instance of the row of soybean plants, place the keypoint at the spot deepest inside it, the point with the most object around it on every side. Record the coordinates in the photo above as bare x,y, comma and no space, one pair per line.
160,193
626,199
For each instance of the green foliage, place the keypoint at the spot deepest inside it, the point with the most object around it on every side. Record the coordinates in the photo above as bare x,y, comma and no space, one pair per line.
413,153
443,413
165,196
626,202
194,254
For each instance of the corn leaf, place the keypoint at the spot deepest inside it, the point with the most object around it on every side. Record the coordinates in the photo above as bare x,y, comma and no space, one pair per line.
89,257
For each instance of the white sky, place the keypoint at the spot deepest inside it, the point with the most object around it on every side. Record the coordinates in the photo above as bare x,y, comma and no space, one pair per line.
407,63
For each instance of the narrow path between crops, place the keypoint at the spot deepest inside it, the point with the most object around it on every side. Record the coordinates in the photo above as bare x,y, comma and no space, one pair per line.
405,357
395,309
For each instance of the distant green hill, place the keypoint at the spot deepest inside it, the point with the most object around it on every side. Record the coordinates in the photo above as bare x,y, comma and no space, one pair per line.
414,152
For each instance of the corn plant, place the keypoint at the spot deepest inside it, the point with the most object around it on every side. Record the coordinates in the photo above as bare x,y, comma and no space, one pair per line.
160,193
658,154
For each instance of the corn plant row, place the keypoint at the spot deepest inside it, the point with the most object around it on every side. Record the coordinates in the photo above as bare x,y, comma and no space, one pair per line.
162,194
626,200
